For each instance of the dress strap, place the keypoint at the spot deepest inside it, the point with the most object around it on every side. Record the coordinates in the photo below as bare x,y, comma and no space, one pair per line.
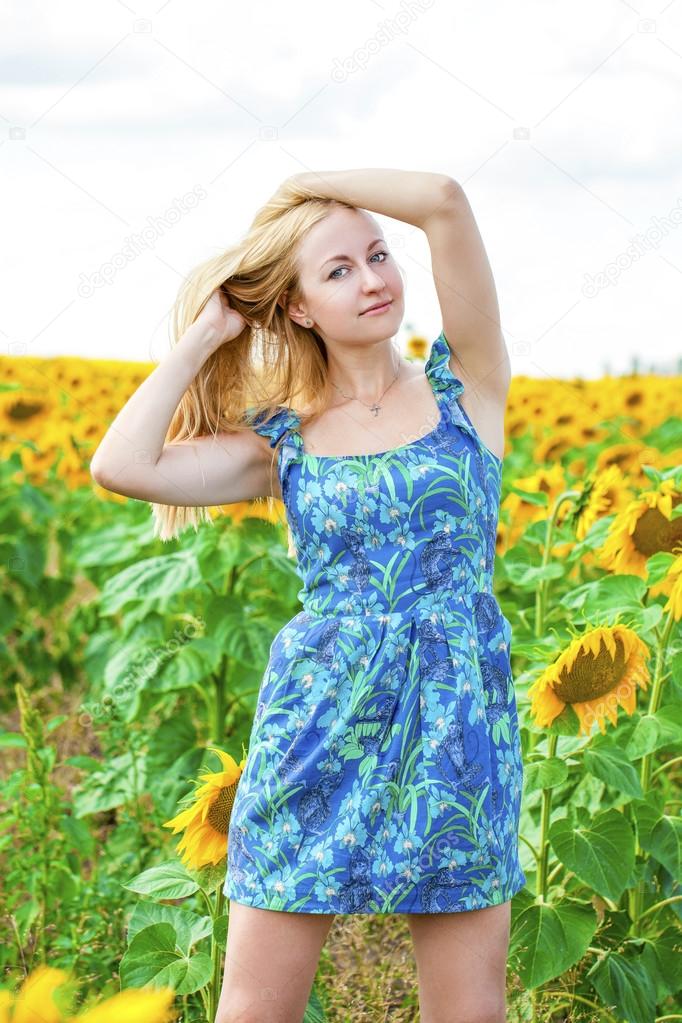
438,370
282,425
448,389
273,425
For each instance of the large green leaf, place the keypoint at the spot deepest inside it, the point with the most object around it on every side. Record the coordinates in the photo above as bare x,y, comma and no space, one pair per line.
548,939
152,579
189,927
118,781
662,956
655,731
544,774
664,842
607,761
624,593
647,813
118,541
192,663
153,958
165,881
601,853
625,988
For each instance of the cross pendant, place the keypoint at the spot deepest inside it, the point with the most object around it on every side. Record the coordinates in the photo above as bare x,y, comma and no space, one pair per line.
375,409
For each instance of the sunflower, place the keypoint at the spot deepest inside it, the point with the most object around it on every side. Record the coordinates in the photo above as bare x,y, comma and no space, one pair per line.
643,528
134,1005
550,481
671,586
416,347
603,494
598,671
207,820
35,1000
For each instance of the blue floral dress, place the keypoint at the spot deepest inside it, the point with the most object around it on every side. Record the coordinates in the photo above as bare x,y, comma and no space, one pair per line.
384,771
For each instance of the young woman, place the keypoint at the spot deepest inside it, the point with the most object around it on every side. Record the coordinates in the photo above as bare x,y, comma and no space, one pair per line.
384,765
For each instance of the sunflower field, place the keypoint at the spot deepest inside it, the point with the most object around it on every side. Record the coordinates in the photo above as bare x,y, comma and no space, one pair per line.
131,668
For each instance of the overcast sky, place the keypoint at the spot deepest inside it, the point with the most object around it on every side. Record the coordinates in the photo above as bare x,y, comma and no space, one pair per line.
156,130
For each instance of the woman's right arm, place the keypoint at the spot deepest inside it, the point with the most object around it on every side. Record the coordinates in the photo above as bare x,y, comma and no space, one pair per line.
132,458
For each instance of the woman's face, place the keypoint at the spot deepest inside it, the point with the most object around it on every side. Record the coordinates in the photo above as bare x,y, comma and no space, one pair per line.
338,291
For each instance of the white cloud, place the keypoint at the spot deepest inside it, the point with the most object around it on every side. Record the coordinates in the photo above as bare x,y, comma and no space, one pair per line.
126,109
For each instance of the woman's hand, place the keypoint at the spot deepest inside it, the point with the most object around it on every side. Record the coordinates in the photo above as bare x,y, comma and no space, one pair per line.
218,321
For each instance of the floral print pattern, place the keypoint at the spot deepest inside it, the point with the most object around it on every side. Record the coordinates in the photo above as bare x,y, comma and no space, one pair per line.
384,769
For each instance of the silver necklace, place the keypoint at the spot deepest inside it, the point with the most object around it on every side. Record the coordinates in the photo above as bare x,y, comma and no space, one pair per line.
375,406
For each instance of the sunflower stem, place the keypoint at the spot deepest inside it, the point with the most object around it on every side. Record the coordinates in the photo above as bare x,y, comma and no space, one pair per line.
545,813
214,991
542,591
219,706
637,896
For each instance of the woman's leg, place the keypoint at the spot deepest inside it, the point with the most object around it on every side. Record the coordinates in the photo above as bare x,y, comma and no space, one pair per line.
462,964
270,964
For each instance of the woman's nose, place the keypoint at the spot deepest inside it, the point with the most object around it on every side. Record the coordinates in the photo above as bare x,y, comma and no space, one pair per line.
372,278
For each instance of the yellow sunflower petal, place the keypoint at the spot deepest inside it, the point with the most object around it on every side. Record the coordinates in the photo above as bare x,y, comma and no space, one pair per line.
35,1002
134,1005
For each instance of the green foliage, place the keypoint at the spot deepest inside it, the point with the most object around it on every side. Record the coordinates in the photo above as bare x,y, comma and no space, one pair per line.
156,651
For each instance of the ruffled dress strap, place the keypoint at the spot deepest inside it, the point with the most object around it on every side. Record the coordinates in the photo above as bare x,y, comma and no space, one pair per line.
437,368
281,425
448,388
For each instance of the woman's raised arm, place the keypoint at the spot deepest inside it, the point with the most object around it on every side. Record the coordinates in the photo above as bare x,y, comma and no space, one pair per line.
132,458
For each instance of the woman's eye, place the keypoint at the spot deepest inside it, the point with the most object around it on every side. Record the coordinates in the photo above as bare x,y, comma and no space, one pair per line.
333,278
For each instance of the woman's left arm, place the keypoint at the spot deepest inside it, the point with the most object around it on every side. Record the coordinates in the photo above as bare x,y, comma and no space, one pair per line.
410,196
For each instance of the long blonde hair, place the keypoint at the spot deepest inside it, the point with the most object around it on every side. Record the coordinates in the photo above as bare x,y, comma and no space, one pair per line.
273,361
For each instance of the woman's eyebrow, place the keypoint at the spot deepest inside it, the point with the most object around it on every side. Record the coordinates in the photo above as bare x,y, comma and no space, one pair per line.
332,258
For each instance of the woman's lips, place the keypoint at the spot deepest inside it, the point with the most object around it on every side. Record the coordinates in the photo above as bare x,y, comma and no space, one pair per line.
379,309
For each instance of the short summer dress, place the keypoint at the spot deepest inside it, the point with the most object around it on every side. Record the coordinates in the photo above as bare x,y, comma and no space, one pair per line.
384,771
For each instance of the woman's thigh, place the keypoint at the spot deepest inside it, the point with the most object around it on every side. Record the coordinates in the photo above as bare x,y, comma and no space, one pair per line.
462,964
270,964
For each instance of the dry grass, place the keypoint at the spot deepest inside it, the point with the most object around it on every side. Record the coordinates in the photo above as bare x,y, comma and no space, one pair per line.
368,974
367,971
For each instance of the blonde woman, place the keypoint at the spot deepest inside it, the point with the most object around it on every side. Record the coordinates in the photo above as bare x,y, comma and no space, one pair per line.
384,764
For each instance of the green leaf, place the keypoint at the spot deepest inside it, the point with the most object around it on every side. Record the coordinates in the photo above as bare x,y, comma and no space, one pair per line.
220,930
625,988
314,1011
607,761
647,812
151,579
119,781
657,567
189,927
662,957
655,731
530,496
56,722
211,875
600,853
165,881
548,939
624,593
192,663
12,739
664,842
544,774
118,541
153,959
